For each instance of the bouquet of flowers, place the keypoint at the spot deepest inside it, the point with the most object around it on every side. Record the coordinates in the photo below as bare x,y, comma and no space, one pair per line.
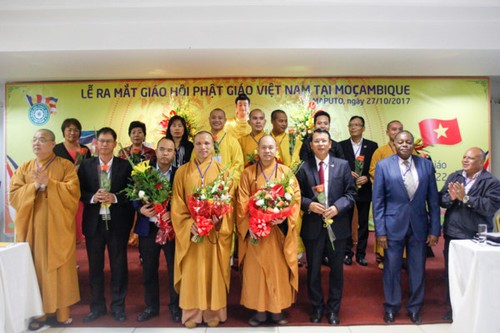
420,148
180,107
269,203
105,184
252,158
319,192
150,187
359,163
302,118
209,202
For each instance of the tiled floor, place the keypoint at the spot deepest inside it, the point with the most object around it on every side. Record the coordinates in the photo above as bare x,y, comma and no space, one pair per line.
434,328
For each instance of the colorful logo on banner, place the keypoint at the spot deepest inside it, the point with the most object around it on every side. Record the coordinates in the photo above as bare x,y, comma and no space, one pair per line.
41,109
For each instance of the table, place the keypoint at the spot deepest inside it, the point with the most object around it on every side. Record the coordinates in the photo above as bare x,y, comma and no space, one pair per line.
19,292
474,274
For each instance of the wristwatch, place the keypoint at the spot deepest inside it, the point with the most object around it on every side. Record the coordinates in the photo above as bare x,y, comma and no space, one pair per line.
465,199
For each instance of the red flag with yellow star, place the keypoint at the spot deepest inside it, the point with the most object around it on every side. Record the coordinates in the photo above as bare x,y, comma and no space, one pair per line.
439,131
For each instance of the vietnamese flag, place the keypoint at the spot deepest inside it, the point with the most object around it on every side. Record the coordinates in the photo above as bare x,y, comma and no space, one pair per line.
439,131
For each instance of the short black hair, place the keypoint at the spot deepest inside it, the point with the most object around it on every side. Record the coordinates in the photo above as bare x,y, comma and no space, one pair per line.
106,130
358,117
275,112
242,97
183,122
321,113
137,124
407,132
321,131
71,121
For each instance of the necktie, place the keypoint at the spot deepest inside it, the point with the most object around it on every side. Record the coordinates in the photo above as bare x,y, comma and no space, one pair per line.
321,173
410,183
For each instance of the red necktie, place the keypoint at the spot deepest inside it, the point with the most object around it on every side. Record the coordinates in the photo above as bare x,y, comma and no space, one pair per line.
321,173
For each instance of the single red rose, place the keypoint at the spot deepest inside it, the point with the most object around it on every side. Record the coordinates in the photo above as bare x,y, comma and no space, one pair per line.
159,186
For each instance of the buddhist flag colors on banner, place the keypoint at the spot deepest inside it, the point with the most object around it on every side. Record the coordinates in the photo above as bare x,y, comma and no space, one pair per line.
39,99
439,131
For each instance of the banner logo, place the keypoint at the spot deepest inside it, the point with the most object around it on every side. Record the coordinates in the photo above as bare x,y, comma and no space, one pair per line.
39,114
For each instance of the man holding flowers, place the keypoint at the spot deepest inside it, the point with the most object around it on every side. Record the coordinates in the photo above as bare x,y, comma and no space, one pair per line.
202,244
107,221
268,208
328,194
152,240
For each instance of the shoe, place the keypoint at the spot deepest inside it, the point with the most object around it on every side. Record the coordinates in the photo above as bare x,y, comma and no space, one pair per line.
333,318
348,260
448,316
389,317
415,317
254,322
281,321
93,315
362,261
316,316
119,315
35,325
147,314
52,321
213,323
176,314
190,324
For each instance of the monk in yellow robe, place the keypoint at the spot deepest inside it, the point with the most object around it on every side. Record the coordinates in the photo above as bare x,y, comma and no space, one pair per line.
45,193
269,268
288,155
250,141
202,272
393,128
238,126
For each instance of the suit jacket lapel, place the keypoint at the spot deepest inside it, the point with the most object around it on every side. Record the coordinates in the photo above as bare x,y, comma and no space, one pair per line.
314,171
331,174
397,171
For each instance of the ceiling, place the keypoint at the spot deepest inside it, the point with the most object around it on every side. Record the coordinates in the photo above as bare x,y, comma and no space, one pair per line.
58,40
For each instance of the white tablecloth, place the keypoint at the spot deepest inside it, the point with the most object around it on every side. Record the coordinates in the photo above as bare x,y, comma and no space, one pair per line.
474,274
19,292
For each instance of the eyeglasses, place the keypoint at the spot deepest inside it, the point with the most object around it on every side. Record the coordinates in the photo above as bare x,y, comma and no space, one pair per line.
101,141
41,140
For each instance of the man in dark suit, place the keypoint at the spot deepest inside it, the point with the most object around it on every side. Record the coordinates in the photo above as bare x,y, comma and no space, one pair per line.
107,220
406,213
321,121
340,192
149,247
358,150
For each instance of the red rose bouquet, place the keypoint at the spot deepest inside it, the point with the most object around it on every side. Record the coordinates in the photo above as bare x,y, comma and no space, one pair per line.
269,203
209,203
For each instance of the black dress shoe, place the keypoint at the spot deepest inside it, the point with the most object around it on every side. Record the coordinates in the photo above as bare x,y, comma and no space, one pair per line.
93,315
348,260
316,316
176,315
254,321
389,317
119,316
146,315
333,318
362,261
415,317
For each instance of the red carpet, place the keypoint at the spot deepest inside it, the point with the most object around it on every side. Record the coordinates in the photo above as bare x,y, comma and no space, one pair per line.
361,305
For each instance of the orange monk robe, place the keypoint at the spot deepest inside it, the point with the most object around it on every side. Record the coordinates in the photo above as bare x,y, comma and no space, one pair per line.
201,271
269,268
283,144
46,220
249,144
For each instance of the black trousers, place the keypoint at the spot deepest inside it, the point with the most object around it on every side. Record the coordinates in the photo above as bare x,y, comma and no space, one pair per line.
150,253
363,216
315,250
116,243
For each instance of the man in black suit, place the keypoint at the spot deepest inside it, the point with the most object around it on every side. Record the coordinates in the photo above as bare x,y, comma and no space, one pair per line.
321,121
149,247
107,220
340,192
358,150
